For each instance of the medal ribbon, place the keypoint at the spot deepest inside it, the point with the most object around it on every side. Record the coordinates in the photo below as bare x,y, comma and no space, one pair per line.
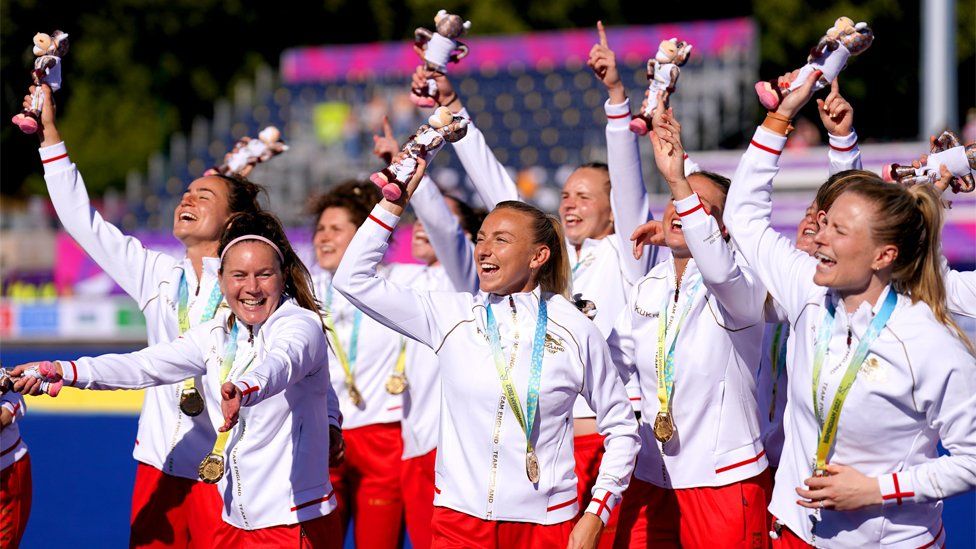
665,359
226,364
584,259
526,419
777,361
183,312
348,361
401,362
828,428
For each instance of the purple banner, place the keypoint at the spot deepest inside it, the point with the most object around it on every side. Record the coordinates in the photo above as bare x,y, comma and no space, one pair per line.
534,50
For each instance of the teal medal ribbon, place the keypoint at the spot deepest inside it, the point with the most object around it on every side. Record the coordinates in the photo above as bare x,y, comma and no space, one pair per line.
527,419
191,402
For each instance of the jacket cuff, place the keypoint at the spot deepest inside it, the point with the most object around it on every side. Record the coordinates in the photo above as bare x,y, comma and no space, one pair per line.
691,210
896,488
75,373
843,143
766,147
250,392
381,222
618,116
602,503
54,158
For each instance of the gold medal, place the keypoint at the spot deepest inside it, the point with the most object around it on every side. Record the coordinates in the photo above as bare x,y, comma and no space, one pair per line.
354,395
191,403
663,426
532,466
396,384
211,468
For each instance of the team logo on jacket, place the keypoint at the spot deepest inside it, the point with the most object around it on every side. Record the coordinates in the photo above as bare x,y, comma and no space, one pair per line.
554,345
645,313
874,370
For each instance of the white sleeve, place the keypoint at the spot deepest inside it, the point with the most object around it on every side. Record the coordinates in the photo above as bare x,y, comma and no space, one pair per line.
14,403
491,181
960,290
605,393
407,311
949,402
622,347
453,247
843,152
296,350
628,195
122,257
785,271
739,292
335,414
160,364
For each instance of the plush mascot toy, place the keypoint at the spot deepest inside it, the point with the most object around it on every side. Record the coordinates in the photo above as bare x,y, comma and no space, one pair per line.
842,41
946,151
662,75
49,49
248,153
437,49
442,126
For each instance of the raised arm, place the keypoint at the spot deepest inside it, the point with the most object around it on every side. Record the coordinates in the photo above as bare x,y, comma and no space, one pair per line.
491,181
122,257
837,116
739,292
296,350
785,271
452,245
628,195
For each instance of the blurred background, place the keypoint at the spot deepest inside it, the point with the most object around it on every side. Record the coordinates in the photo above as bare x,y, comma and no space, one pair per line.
155,92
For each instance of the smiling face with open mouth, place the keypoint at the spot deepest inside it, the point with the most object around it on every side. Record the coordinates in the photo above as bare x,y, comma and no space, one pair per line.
252,281
807,230
585,206
506,256
847,254
333,233
202,212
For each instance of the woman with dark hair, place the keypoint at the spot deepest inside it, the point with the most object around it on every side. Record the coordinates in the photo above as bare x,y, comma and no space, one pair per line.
879,374
169,506
505,466
267,380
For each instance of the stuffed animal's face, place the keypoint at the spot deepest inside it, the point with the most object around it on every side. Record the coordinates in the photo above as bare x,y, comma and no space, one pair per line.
270,134
449,25
673,51
858,38
441,117
43,44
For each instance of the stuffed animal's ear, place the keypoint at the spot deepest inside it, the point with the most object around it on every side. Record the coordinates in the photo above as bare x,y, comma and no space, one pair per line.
440,15
467,25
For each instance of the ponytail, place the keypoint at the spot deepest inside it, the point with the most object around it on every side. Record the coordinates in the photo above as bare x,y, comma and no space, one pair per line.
298,281
911,219
554,275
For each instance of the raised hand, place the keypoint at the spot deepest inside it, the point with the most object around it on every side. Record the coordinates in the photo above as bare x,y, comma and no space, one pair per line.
650,233
669,153
445,96
836,113
795,100
385,146
47,132
604,64
230,405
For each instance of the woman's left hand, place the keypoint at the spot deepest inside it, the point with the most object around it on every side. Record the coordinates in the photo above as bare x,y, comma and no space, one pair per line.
230,405
586,533
842,488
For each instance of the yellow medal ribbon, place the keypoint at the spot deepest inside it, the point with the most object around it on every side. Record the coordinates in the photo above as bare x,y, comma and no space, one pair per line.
664,359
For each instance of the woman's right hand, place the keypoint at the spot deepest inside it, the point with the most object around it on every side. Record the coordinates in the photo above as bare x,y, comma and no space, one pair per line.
796,99
446,96
48,132
31,384
650,233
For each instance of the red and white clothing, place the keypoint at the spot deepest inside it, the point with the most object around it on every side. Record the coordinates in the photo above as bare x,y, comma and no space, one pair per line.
167,439
916,388
843,154
576,361
276,454
16,489
716,355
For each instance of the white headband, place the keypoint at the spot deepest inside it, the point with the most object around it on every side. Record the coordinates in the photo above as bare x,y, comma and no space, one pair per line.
252,237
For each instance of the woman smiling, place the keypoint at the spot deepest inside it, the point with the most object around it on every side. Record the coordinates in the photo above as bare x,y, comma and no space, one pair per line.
267,382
